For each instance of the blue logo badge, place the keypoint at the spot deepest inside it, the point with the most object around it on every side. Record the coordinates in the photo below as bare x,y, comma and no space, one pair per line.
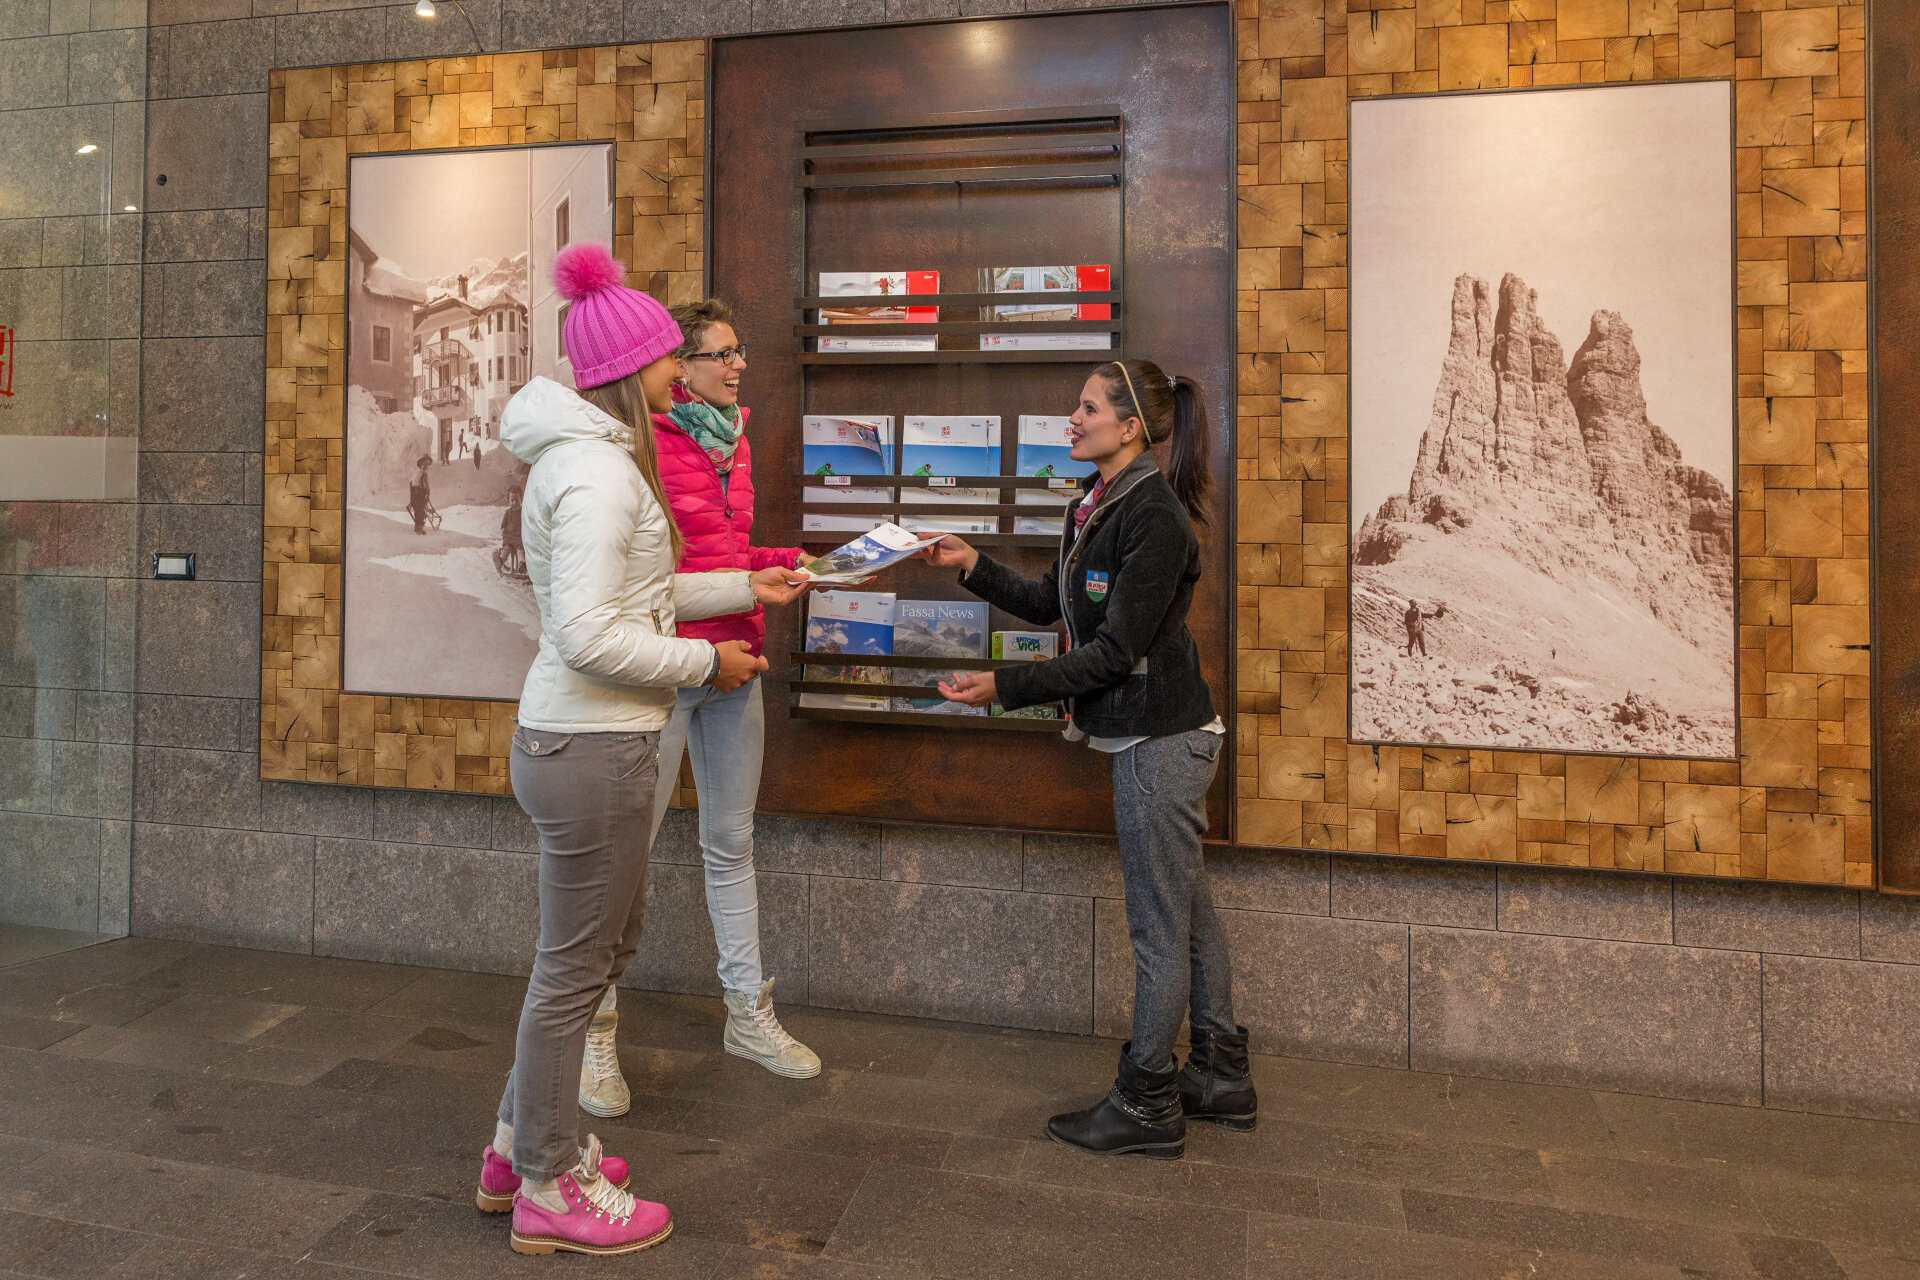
1096,586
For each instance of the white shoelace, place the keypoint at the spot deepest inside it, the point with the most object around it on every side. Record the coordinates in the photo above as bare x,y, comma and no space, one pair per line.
607,1199
603,1056
764,1019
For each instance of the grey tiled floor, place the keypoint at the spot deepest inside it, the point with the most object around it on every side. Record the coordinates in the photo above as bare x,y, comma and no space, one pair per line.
169,1110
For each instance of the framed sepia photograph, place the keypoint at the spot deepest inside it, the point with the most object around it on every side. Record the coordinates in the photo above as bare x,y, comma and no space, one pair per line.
1543,420
450,310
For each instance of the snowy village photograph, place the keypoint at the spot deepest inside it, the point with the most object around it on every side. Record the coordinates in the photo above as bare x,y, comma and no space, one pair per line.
450,310
1542,420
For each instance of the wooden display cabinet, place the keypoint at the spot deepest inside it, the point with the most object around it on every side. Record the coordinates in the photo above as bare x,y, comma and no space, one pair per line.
953,148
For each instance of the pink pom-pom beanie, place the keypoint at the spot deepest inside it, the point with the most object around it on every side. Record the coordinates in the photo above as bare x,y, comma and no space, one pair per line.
610,330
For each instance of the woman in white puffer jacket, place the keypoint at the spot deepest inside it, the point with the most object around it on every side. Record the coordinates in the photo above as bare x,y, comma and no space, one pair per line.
600,547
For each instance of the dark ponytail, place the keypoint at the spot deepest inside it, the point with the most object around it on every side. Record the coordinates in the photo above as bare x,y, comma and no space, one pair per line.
1169,409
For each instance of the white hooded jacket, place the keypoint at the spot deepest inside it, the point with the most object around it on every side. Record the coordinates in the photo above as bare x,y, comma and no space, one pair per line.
600,556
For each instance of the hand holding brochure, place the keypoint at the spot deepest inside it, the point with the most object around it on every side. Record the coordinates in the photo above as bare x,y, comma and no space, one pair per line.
868,554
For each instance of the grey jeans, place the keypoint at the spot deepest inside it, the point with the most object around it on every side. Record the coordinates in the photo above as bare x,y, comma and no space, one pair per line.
1179,952
590,796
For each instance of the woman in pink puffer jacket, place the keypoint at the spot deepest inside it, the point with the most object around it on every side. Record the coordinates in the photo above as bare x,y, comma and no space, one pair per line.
706,471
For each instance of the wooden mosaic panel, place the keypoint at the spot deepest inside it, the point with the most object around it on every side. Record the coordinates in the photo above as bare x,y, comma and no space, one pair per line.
650,101
1797,803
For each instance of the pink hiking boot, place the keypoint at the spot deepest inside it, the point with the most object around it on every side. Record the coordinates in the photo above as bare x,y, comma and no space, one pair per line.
499,1183
600,1218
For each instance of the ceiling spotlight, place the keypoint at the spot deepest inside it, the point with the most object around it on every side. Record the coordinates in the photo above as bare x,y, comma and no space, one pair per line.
87,150
424,9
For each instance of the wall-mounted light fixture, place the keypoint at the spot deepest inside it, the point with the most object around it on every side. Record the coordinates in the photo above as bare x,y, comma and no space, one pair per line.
175,565
133,208
427,9
88,149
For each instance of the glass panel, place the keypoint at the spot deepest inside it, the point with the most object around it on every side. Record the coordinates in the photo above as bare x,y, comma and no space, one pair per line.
72,144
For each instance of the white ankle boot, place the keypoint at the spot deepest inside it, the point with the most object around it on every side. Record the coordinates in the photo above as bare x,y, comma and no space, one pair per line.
603,1090
754,1033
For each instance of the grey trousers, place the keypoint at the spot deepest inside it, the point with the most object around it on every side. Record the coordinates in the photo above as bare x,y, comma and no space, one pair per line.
1179,952
590,796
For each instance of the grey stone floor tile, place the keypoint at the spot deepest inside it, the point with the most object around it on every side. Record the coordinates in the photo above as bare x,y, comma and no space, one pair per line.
1183,1181
803,1131
435,1240
21,1032
347,1035
61,999
730,1193
215,1018
897,1100
1291,1248
862,1041
994,1058
1840,1209
285,979
1675,1131
987,1156
1365,1204
958,1225
133,1047
261,1213
1784,1258
1393,1159
456,997
764,1264
1873,1264
1574,1231
1704,1195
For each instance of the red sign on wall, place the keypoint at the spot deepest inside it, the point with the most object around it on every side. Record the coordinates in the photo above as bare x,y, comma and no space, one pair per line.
6,360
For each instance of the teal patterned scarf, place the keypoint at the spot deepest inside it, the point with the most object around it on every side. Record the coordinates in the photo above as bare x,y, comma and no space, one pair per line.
715,430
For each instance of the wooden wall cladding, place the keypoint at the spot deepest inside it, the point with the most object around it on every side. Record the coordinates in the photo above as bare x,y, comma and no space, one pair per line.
1797,804
647,99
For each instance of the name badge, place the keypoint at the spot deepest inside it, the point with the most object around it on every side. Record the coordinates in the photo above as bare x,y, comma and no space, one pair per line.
845,482
1096,586
940,482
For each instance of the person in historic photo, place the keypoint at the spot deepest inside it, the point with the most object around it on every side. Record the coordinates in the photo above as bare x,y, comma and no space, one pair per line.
420,493
512,549
1124,580
601,548
1415,620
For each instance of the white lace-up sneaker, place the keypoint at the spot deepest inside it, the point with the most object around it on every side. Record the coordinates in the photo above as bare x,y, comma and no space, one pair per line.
603,1090
754,1033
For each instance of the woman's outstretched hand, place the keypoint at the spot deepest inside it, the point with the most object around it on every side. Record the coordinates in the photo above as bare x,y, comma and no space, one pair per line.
951,553
776,585
975,688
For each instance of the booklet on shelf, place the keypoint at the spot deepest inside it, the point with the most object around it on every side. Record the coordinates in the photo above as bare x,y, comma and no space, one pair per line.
1083,279
855,623
942,448
1045,451
938,629
882,547
1027,646
836,450
857,284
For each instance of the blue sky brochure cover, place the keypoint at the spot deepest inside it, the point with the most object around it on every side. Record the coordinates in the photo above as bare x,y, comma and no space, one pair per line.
1046,450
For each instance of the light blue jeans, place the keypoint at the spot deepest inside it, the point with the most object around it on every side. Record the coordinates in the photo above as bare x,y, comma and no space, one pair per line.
726,735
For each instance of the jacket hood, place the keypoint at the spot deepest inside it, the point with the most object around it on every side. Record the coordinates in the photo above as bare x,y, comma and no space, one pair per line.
543,414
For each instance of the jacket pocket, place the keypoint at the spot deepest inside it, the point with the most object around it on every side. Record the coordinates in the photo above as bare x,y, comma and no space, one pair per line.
535,743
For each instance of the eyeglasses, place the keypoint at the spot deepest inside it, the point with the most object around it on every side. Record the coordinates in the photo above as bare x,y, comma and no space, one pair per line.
725,355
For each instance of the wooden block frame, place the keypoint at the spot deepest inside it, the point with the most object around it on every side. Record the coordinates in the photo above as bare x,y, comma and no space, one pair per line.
649,100
1797,804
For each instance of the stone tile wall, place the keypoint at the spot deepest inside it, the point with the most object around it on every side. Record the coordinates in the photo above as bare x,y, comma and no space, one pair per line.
72,73
1744,993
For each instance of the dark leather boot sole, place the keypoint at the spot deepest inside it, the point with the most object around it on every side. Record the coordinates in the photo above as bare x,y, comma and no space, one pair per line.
1151,1150
1239,1122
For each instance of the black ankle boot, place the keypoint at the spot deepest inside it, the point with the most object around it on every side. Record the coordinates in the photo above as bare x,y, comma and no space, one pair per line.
1215,1084
1141,1113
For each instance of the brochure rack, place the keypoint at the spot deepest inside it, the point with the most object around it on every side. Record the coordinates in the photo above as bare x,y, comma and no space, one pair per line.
952,150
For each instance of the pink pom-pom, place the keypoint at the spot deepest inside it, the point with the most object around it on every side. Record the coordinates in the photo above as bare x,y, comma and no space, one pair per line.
581,269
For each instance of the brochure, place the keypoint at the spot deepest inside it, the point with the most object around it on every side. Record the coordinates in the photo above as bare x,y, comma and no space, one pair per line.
850,622
938,629
886,545
1045,450
837,449
1084,279
946,447
856,284
1027,646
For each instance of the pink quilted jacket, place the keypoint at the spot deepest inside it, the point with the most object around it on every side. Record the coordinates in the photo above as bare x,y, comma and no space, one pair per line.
715,524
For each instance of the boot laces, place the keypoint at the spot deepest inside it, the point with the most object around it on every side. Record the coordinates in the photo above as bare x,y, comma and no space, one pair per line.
763,1017
603,1055
608,1200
